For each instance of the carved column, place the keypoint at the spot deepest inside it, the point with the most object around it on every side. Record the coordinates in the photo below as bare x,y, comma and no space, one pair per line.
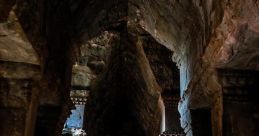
125,99
240,102
19,84
172,116
79,98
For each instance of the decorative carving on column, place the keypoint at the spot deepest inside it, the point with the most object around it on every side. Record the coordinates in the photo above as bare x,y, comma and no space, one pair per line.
79,96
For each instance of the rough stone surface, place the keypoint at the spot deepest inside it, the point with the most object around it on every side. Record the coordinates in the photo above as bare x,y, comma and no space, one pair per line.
203,35
164,69
19,81
13,47
81,77
128,86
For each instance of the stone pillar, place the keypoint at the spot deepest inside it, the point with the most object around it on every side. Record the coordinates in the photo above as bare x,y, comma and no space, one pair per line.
17,109
172,116
240,102
171,113
162,105
19,87
125,99
79,98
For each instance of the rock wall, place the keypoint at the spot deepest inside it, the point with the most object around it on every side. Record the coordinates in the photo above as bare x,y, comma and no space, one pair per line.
230,44
203,34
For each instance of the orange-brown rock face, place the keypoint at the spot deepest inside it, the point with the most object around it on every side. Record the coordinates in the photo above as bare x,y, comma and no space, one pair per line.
233,45
230,44
239,48
208,38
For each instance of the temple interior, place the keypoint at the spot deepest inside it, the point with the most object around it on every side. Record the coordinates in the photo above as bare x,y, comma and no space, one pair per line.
129,68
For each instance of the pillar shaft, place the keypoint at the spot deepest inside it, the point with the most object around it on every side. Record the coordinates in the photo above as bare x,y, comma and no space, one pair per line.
172,116
240,102
125,99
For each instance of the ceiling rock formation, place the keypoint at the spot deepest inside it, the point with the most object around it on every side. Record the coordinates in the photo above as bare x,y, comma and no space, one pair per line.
204,36
239,47
178,25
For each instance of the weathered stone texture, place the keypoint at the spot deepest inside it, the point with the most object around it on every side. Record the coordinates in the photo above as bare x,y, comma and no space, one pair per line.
203,35
19,82
128,86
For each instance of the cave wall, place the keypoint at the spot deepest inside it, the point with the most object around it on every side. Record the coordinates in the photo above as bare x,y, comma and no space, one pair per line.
231,47
204,35
231,43
187,35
